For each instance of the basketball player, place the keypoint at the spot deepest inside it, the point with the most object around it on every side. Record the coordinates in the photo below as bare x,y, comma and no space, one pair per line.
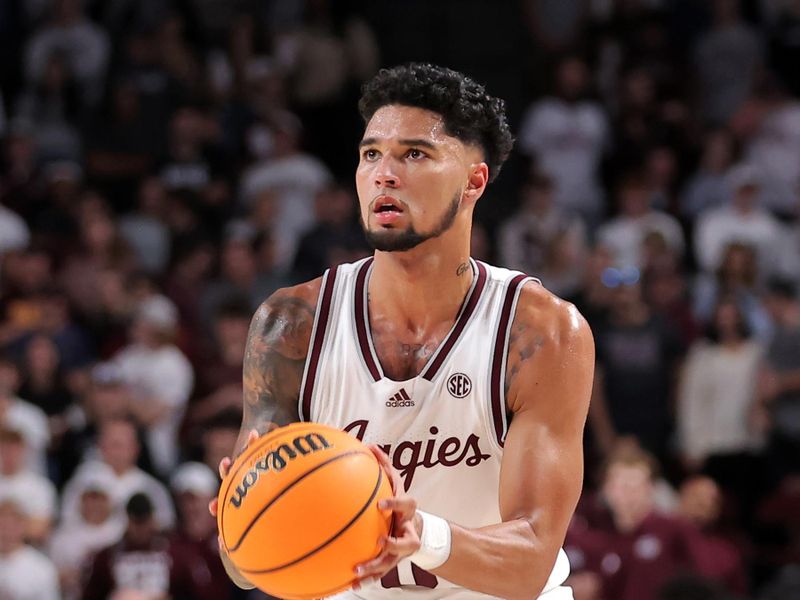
472,381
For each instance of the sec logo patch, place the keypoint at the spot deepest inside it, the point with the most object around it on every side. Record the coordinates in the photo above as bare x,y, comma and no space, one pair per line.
459,385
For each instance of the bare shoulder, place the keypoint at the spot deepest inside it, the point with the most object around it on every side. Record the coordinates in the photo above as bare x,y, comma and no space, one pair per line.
275,356
286,318
550,343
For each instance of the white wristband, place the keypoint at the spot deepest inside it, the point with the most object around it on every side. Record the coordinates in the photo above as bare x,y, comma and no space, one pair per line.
435,542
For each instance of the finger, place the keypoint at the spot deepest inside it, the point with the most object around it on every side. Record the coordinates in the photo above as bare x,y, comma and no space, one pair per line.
377,567
252,436
224,467
383,460
212,507
404,544
404,507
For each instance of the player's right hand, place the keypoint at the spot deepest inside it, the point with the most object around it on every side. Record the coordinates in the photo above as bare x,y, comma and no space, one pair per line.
224,468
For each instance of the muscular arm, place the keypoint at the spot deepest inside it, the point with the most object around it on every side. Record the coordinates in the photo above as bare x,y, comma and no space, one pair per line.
274,360
549,381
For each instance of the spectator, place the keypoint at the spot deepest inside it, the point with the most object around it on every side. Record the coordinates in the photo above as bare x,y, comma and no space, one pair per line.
197,570
737,277
296,177
44,383
144,230
636,361
770,124
25,573
567,135
707,188
119,449
625,235
527,236
743,220
84,46
23,416
726,61
719,558
53,108
665,288
640,549
336,237
120,144
239,275
779,381
219,382
326,59
140,561
716,397
159,375
74,543
15,479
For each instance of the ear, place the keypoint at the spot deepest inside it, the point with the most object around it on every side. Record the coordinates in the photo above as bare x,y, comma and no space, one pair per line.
477,180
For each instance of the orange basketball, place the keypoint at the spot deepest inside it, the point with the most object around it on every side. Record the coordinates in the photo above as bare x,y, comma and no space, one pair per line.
298,510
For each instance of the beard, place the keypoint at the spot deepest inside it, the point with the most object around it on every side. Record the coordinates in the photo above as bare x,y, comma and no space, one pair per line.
393,240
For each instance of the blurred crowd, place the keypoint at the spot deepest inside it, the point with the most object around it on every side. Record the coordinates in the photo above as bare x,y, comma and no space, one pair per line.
166,165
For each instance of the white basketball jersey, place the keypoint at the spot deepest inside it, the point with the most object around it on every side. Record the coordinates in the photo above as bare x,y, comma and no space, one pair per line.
443,429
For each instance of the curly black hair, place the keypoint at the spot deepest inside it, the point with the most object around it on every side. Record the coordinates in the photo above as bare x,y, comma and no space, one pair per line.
468,112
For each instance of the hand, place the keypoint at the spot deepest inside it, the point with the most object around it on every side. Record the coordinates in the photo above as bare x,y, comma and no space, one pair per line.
404,539
225,466
230,568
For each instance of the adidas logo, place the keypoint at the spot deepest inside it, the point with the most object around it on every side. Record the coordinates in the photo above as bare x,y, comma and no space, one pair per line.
401,398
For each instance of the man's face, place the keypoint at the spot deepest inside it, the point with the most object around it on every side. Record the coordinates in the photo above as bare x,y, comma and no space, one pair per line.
411,177
119,446
628,489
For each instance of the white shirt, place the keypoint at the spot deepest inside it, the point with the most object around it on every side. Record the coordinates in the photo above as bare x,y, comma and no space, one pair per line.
715,395
72,543
296,179
32,421
126,485
718,228
775,151
568,142
166,374
27,574
39,493
624,236
14,233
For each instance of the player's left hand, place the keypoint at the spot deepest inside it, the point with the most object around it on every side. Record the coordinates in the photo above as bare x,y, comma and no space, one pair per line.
404,538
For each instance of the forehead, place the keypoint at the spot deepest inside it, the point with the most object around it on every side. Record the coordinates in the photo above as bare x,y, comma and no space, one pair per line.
394,122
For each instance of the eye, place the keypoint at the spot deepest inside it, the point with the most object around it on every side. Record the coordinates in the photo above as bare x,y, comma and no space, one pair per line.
370,154
415,154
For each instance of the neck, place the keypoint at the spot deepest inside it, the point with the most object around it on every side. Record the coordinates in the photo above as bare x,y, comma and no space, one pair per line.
421,288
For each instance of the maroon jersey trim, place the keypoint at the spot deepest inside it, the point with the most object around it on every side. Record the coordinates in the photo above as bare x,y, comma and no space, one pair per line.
498,396
317,338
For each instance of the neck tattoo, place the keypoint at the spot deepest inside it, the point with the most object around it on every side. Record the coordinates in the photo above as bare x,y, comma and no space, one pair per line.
462,268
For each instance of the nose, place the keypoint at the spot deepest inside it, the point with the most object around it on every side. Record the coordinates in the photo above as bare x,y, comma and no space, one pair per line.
386,174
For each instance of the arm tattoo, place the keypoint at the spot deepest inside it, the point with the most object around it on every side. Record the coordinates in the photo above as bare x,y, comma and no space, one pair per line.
274,360
523,343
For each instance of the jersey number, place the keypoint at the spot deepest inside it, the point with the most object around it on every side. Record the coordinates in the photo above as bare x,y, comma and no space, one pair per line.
421,578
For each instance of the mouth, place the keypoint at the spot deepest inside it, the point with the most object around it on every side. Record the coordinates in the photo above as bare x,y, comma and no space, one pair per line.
386,204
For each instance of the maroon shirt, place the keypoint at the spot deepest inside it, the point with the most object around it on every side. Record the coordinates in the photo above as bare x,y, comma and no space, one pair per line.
197,572
633,566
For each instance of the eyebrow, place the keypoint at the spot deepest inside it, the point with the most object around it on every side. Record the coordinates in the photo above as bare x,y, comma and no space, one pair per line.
405,142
